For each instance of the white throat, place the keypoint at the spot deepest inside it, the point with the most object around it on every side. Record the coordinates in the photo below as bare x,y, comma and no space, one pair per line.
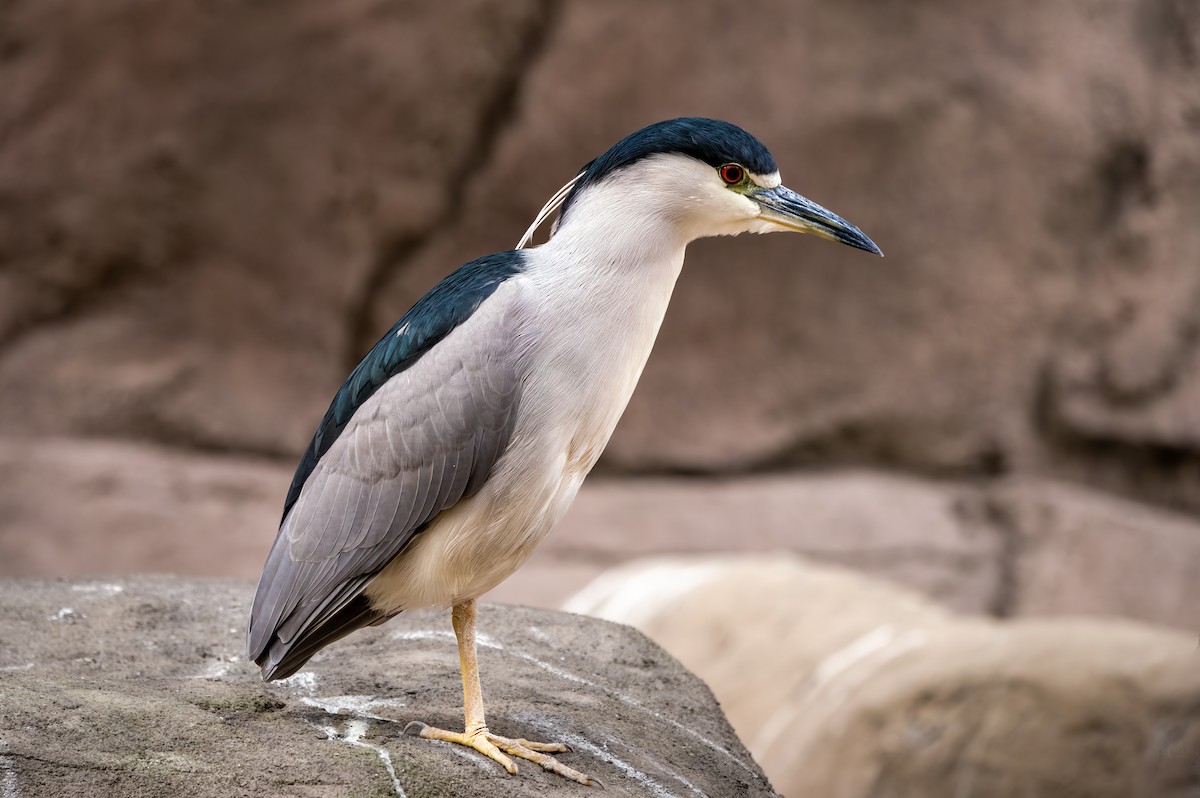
599,290
601,285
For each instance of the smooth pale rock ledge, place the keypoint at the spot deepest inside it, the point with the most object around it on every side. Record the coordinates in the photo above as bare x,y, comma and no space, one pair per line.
139,687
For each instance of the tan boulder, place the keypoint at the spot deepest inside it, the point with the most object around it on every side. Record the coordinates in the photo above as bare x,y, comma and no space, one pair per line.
844,687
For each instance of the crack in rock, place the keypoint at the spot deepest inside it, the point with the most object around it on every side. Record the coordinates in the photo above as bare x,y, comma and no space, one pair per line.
497,116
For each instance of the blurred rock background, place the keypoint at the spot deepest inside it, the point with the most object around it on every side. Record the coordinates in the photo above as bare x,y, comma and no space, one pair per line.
848,687
209,211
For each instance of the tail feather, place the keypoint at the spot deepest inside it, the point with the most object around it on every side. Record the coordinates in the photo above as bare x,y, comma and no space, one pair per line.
280,659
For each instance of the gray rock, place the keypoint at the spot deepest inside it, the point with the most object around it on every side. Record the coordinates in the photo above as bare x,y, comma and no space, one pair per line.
137,687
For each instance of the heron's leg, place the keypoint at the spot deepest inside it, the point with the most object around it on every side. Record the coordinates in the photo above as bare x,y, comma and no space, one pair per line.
476,734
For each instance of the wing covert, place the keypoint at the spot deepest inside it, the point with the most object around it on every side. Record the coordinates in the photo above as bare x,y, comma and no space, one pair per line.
423,441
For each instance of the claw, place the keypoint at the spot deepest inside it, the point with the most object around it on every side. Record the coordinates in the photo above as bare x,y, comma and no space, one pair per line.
492,746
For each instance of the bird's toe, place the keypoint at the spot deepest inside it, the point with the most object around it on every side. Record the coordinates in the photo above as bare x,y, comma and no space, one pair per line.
548,748
479,739
499,749
539,753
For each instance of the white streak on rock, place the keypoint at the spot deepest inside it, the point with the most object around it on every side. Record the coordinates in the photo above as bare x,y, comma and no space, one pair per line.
8,774
633,702
635,595
482,640
564,675
844,670
100,587
424,634
354,730
836,676
23,667
490,642
487,641
847,657
304,680
65,614
580,744
669,771
361,706
217,669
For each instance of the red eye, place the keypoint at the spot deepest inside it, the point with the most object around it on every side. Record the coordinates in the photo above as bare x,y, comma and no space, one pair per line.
732,174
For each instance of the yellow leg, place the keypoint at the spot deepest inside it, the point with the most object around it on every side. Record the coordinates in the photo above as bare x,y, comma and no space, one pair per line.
476,734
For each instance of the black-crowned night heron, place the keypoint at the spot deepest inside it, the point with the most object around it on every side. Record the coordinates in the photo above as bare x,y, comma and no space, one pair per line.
464,434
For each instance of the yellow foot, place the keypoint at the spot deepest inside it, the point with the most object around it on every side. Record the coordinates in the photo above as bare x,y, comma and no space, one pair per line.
495,747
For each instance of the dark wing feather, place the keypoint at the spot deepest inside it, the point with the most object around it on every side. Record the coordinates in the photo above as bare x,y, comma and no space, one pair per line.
423,441
448,305
356,614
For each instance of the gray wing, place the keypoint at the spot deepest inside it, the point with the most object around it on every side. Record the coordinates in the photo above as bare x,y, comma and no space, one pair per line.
427,438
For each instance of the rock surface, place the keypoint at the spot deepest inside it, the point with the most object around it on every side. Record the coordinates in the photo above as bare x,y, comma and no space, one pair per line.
196,199
76,508
1010,548
848,688
138,688
1029,171
210,211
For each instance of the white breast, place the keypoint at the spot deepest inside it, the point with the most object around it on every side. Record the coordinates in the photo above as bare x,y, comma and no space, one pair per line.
592,302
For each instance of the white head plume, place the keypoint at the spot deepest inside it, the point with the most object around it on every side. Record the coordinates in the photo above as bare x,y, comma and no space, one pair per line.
550,207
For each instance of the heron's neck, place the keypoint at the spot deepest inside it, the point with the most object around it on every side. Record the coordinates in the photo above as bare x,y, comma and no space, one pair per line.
606,278
599,289
617,234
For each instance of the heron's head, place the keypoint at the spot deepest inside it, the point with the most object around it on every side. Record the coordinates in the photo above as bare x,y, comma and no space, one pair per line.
703,177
